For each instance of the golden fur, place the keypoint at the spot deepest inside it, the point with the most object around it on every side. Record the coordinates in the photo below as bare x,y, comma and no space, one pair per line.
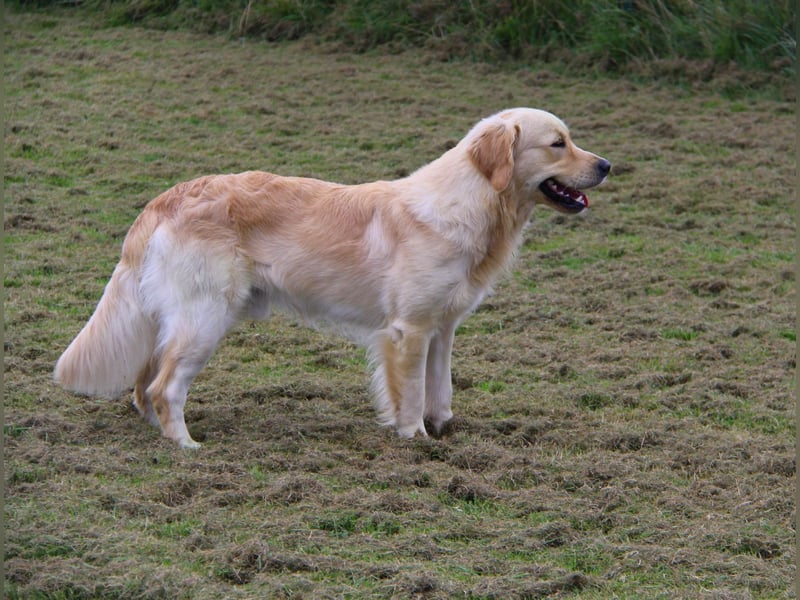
397,264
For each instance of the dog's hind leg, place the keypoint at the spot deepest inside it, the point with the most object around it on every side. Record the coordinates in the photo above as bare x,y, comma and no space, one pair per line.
141,400
183,355
195,290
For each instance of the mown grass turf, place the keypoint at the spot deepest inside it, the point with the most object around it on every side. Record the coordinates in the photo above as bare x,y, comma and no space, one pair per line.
625,423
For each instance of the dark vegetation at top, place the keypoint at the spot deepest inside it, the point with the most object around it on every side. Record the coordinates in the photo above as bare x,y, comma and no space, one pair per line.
683,39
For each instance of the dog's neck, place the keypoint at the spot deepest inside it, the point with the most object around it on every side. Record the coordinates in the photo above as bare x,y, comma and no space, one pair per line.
451,197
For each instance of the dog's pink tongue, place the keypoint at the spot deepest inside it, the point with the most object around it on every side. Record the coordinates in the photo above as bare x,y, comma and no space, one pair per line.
578,196
575,195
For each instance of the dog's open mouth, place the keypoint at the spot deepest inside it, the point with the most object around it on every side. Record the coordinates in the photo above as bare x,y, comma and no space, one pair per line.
567,198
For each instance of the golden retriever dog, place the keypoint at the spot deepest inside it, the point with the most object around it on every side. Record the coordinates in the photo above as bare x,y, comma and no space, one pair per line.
398,264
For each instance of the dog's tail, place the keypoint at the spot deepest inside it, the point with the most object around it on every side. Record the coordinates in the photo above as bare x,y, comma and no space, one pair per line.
114,346
119,340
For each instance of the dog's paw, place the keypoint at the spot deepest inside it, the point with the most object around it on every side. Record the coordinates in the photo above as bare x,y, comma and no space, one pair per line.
449,427
146,412
441,429
439,422
409,431
189,444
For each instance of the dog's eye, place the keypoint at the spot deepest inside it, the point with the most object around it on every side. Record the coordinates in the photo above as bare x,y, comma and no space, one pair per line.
558,144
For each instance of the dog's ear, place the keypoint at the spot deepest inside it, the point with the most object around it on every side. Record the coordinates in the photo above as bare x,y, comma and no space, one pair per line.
492,153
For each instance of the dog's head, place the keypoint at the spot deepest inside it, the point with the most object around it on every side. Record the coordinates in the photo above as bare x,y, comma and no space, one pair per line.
532,151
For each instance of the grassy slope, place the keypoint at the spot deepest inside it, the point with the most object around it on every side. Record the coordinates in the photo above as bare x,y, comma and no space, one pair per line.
625,423
607,34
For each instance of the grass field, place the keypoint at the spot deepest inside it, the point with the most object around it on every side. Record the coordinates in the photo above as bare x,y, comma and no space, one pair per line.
625,416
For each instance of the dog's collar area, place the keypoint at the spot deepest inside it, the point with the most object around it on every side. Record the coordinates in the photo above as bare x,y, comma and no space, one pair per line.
567,198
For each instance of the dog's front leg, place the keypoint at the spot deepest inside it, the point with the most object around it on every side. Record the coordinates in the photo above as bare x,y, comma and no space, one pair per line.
438,382
404,355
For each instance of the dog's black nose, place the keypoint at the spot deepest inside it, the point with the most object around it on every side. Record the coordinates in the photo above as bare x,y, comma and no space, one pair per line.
603,167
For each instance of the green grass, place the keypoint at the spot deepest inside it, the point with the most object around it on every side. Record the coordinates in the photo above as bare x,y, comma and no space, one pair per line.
176,530
491,387
594,400
678,333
